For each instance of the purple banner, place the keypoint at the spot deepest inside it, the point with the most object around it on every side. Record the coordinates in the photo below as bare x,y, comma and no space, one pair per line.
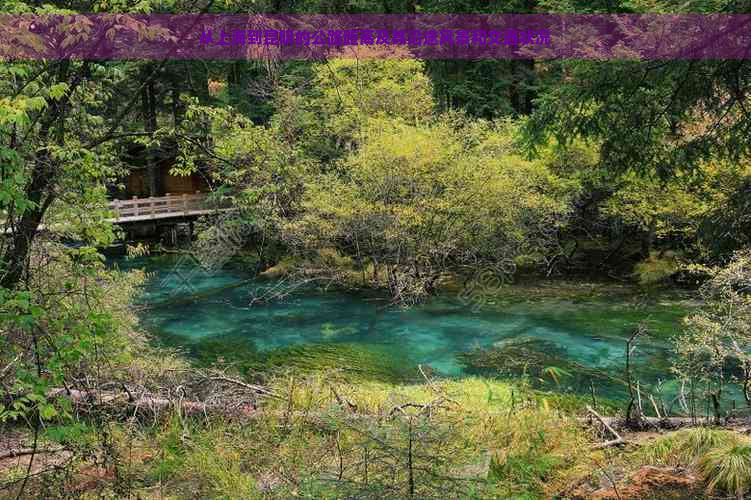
422,36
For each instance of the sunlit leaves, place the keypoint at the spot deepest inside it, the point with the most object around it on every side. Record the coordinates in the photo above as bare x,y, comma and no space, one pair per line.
57,90
420,202
347,94
714,349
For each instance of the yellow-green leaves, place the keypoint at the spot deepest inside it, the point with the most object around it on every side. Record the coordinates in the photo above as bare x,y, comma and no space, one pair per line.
16,110
413,202
57,90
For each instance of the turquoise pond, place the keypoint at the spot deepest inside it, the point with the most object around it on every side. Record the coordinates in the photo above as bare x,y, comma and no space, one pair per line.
580,329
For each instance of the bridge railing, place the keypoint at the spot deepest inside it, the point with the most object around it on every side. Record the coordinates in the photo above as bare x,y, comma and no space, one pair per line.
159,206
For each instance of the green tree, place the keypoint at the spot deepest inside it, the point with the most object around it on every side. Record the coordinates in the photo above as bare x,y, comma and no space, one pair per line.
412,203
648,116
714,351
658,210
328,120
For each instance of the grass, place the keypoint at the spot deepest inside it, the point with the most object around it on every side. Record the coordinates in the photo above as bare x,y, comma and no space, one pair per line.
685,447
483,439
332,437
489,439
721,457
728,468
221,473
335,436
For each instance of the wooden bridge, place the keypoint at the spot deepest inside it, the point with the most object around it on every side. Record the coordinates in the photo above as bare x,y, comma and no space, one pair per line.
161,207
171,206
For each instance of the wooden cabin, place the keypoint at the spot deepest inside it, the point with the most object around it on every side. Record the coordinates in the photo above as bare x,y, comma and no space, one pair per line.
136,183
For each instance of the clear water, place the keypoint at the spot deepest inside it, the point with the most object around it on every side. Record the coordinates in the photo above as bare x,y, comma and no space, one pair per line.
210,313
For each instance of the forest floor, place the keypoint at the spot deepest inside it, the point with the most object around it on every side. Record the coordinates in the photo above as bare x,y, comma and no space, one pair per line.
473,438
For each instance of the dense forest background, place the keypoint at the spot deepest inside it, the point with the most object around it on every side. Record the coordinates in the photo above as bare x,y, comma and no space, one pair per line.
647,158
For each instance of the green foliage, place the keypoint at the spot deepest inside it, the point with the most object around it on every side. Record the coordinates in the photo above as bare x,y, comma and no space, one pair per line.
347,94
50,337
76,434
264,174
413,198
713,351
647,118
666,209
726,227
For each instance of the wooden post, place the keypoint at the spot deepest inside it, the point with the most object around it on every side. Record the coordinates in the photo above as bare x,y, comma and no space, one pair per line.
135,206
116,208
185,204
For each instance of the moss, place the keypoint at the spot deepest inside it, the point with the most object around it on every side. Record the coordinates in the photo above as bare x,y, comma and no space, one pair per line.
656,270
535,289
352,361
360,362
538,361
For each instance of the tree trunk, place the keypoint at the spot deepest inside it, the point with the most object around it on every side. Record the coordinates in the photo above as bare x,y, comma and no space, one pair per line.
148,106
528,91
22,238
647,241
176,115
39,191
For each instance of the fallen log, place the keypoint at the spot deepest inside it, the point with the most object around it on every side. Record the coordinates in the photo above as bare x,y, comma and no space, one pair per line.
148,403
125,401
608,444
21,452
253,387
664,423
668,423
